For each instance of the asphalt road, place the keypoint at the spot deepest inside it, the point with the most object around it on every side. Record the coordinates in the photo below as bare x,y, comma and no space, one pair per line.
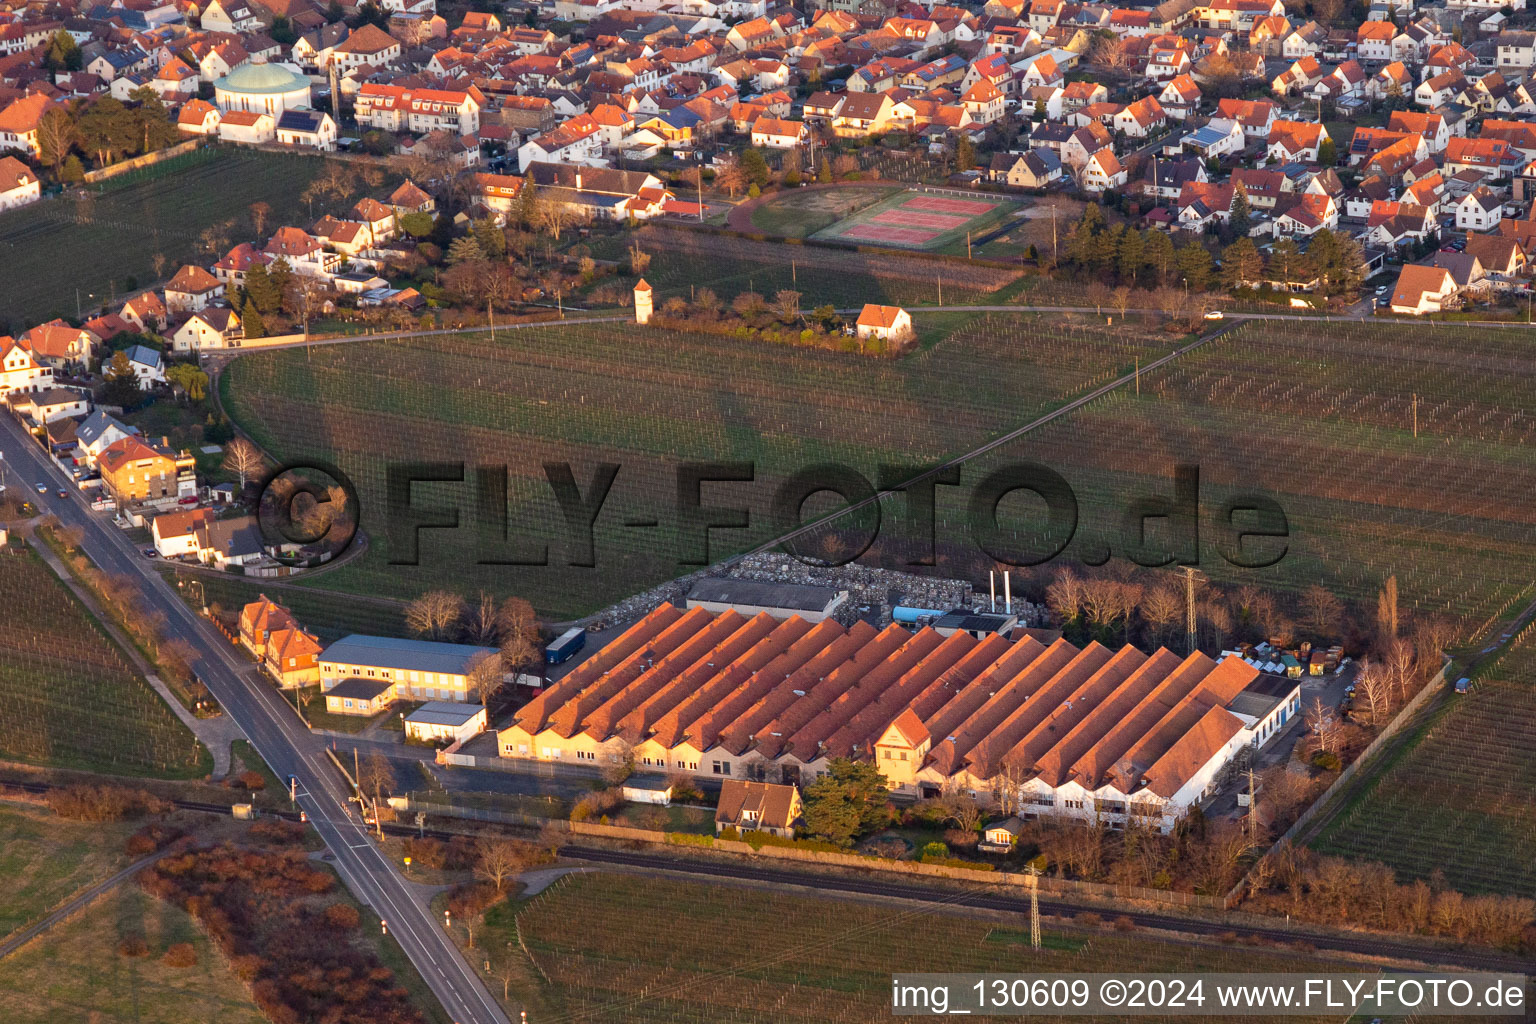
275,731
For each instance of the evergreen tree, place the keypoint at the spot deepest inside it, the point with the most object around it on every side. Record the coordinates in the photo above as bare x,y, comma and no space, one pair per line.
755,167
1242,213
965,154
1133,254
1241,263
465,249
281,274
490,238
63,53
261,291
251,320
122,385
824,172
1160,254
1194,266
1285,262
1327,153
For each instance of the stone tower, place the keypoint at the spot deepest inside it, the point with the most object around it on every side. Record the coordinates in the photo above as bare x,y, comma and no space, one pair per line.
642,302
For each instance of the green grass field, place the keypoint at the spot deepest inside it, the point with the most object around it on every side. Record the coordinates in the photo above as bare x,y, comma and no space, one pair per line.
797,214
45,859
743,955
76,972
52,248
684,262
647,400
1462,800
69,697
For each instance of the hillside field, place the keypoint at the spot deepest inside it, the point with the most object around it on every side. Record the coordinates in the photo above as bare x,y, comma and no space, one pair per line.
646,400
68,696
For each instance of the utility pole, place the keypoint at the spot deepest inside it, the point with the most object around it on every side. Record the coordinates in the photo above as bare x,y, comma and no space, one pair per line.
1253,805
1415,414
1032,881
1191,575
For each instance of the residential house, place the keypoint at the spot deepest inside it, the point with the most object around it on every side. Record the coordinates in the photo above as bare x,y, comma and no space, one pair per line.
247,126
136,471
773,133
396,108
192,288
758,807
312,129
18,184
1035,169
213,327
366,46
19,371
1422,289
1103,172
884,323
147,364
1480,210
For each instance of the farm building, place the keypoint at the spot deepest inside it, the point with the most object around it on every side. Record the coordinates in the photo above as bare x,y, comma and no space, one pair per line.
781,600
1085,732
883,322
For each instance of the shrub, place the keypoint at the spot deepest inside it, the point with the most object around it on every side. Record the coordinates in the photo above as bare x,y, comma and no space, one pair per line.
276,831
132,946
427,853
690,839
150,838
182,954
252,781
1123,923
1327,760
935,849
343,917
104,803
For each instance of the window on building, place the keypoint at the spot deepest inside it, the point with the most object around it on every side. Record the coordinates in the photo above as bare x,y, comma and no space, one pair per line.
586,755
721,767
347,702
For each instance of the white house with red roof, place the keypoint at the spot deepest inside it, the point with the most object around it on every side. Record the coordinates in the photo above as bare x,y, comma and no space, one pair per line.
19,185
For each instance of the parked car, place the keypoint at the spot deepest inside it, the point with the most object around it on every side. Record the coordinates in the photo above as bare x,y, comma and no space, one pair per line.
1463,684
1215,314
150,552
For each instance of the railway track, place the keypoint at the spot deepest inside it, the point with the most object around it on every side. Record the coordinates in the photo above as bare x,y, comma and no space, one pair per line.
984,898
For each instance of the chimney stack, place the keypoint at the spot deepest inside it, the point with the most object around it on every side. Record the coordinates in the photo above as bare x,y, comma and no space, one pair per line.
992,586
1007,593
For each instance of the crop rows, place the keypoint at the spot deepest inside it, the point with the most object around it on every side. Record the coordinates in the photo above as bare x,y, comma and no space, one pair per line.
714,954
1463,800
1446,512
68,696
647,400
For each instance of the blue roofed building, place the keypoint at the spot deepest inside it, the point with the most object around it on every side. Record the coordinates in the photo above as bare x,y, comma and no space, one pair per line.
413,669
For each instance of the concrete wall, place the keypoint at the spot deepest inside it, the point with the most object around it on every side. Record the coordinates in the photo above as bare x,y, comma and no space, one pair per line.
147,160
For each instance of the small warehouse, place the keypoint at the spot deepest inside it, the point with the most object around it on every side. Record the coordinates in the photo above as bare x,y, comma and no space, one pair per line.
781,600
445,720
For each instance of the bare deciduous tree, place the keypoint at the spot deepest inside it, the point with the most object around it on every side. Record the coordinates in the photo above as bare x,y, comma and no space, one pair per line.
1065,595
1386,610
1322,612
497,860
374,775
435,614
243,459
1320,718
485,675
